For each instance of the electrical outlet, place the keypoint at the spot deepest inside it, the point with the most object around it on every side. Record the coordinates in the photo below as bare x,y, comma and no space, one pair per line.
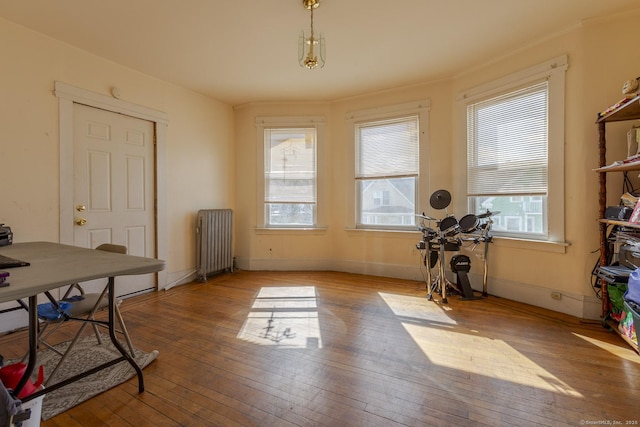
556,295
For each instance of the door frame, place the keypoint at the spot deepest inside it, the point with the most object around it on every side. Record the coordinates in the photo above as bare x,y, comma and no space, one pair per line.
67,96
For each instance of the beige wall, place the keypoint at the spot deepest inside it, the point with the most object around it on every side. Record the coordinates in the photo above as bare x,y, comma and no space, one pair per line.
199,152
271,249
212,161
600,59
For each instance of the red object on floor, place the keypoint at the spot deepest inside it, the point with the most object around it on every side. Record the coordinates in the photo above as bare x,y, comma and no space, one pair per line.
10,376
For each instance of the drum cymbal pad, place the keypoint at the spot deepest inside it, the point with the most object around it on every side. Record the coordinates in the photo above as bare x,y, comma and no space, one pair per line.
440,199
487,214
423,216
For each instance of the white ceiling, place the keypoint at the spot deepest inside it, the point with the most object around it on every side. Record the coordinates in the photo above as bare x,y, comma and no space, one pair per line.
246,51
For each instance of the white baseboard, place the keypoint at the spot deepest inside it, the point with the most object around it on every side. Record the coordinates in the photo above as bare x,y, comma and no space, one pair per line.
378,269
581,306
13,320
177,278
265,264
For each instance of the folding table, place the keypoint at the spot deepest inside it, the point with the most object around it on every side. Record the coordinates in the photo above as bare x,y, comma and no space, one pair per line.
54,265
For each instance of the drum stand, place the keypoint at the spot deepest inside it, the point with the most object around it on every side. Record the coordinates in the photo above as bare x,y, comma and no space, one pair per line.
426,245
449,227
486,268
486,237
440,283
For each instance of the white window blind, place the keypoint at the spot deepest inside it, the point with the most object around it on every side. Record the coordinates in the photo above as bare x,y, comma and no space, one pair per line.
386,172
507,143
387,148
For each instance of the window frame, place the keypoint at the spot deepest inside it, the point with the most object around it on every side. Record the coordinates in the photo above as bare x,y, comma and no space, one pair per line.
554,71
419,109
303,122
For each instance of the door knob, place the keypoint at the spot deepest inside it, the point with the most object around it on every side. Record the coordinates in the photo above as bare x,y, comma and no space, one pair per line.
80,221
81,208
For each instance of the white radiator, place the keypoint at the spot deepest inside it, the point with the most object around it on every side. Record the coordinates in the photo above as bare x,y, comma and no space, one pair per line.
214,252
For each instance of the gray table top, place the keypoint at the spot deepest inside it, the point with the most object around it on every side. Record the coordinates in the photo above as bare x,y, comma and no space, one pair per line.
54,265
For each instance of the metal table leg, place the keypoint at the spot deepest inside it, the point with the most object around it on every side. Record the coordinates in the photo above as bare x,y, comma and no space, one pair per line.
114,339
33,340
33,343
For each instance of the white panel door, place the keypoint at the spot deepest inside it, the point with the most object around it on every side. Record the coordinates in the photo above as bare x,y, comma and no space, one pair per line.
114,187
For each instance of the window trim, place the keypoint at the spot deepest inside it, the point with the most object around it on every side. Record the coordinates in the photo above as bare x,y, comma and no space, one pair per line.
417,108
262,123
554,71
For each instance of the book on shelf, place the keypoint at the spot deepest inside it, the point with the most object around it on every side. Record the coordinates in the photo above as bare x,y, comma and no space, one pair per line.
635,215
632,159
628,161
627,98
628,200
629,238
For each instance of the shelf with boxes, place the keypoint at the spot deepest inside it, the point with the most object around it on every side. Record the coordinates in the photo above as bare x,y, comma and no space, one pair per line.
617,228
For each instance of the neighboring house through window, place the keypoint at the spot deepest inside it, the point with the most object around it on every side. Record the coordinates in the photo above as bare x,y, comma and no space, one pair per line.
515,152
387,166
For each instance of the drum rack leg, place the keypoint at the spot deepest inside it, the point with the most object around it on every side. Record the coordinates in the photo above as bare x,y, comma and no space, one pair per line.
486,269
443,278
427,264
441,282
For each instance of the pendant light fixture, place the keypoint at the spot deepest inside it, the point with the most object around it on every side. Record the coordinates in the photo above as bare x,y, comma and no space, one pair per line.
311,48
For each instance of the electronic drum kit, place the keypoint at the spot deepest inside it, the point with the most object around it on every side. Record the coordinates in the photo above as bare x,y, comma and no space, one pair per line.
448,236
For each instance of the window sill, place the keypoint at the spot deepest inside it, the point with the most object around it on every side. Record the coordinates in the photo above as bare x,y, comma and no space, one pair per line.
535,245
291,230
507,242
381,231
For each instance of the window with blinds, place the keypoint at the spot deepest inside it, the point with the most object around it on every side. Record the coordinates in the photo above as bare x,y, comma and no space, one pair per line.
507,160
386,172
290,177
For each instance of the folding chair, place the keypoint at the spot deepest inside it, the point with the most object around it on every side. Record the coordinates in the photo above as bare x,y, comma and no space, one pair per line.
81,307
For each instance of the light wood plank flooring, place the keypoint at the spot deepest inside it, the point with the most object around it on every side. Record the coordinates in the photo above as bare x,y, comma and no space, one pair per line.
335,349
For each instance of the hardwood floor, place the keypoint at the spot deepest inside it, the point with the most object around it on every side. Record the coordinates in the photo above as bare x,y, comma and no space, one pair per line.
335,349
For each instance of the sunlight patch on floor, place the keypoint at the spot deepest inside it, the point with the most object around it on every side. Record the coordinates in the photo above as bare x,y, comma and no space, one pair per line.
416,308
431,329
611,348
284,316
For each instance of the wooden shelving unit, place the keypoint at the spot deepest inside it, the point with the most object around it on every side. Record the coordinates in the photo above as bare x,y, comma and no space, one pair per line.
626,167
626,111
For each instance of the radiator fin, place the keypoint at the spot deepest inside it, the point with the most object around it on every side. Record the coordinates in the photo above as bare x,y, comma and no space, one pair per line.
214,244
